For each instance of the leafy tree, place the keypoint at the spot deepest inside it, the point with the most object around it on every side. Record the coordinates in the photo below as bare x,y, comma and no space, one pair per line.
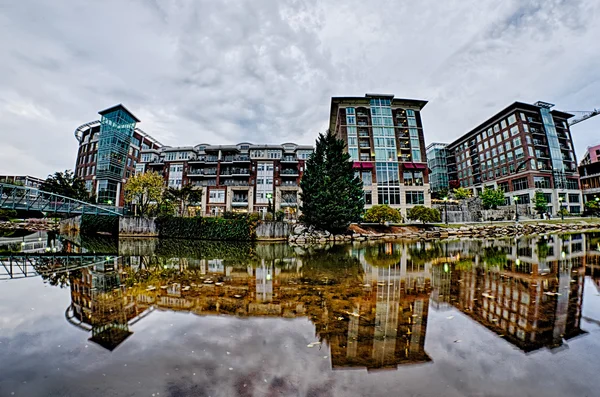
540,203
66,184
183,198
6,215
382,213
424,214
593,206
440,194
492,198
145,190
462,193
564,212
332,196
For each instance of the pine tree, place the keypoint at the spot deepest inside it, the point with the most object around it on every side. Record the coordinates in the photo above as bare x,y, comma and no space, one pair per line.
332,196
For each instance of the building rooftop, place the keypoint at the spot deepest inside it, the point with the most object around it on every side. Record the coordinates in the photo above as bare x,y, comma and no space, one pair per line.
118,107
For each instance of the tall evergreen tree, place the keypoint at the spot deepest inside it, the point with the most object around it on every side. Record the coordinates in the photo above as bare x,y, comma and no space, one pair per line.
332,196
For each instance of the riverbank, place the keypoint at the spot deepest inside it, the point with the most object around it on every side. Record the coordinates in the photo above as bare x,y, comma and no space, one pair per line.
363,232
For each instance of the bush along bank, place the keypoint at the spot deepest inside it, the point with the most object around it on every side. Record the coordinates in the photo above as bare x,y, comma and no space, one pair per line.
199,228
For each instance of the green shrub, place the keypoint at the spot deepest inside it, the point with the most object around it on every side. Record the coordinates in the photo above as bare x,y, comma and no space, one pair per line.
423,214
382,213
94,224
6,215
199,228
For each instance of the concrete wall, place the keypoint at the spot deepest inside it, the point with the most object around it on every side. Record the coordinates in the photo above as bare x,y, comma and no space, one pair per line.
131,226
273,230
70,225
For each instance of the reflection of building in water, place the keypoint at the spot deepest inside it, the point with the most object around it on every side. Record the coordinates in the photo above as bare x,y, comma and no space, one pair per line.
99,305
592,259
528,290
387,324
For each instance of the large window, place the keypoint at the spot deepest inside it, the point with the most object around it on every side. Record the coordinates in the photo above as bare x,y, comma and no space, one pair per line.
520,184
415,198
387,174
367,178
388,195
216,196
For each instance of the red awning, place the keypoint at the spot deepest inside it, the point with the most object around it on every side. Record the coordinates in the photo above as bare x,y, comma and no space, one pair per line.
408,165
420,166
362,164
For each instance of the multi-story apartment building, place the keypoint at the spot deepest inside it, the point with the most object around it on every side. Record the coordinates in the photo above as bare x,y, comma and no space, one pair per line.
522,149
25,180
109,150
589,171
384,137
437,161
243,178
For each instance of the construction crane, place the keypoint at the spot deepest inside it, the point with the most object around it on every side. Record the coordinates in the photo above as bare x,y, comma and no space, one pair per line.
584,115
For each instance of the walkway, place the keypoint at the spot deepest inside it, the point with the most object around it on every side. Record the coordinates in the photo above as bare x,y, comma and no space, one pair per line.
28,198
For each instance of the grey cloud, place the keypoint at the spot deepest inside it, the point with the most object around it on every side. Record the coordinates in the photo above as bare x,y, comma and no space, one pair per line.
264,71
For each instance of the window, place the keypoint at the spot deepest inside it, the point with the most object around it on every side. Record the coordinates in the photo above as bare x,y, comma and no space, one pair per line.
388,195
496,129
572,184
503,124
520,184
541,182
500,149
522,115
274,154
505,135
415,198
216,196
525,127
349,110
507,146
351,120
170,156
494,152
485,145
504,186
519,153
368,197
512,119
514,130
573,198
367,178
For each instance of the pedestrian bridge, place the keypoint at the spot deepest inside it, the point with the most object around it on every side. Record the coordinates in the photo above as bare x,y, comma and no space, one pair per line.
28,198
21,265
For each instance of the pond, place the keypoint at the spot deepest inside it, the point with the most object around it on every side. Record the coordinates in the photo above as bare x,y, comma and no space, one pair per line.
512,317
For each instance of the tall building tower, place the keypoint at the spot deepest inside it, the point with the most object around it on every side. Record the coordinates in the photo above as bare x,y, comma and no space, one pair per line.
384,137
109,150
522,149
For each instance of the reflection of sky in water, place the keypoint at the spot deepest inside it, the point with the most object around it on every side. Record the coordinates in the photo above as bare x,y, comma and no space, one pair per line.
182,354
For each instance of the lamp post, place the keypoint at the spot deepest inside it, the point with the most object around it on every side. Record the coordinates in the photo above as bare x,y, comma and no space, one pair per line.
560,203
269,196
597,200
516,200
446,208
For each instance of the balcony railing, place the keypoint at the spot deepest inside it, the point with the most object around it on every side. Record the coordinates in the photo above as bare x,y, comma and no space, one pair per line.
289,184
211,182
233,182
241,158
538,142
289,159
211,159
290,172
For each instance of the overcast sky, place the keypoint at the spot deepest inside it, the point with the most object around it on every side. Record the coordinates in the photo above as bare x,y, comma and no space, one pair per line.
264,70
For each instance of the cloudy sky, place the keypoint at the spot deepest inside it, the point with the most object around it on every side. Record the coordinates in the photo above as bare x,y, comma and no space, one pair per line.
264,70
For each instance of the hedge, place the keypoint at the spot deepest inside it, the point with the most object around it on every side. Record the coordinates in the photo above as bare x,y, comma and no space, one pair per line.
94,224
171,248
201,228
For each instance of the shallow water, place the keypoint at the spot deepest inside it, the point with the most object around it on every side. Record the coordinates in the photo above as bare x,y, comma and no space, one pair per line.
182,318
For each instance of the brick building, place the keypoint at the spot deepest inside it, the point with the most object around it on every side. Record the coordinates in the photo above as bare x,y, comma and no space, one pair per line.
522,149
241,178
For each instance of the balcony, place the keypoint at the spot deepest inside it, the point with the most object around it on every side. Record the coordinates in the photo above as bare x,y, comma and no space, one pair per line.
533,120
404,158
239,201
233,182
537,131
212,182
364,145
227,159
363,135
404,146
538,142
234,172
362,123
211,159
289,184
292,173
542,155
289,159
211,172
361,114
242,158
193,172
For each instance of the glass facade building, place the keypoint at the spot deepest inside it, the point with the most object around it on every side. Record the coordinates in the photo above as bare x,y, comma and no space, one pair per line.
437,160
384,137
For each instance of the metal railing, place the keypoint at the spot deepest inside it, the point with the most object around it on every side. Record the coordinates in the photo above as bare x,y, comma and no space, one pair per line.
19,265
28,198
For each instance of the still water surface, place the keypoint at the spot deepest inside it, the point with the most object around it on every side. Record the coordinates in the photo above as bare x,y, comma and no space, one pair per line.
513,317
